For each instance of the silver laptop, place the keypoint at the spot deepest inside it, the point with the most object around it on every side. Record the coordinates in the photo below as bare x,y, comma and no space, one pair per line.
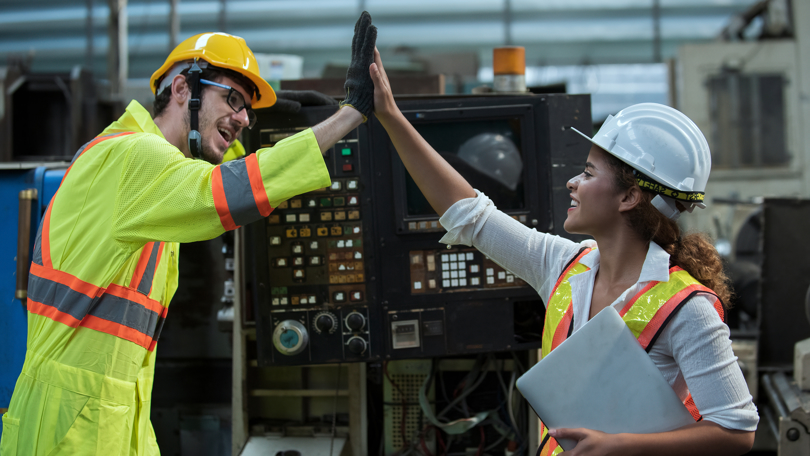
600,378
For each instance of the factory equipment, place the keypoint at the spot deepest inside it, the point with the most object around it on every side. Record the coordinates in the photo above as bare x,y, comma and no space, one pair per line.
26,192
355,272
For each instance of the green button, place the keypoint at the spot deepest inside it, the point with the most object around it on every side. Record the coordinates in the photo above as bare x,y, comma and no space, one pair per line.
345,151
274,291
282,290
326,202
340,201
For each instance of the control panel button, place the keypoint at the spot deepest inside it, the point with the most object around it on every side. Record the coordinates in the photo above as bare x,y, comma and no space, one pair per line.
314,245
354,215
357,345
275,240
335,231
336,186
347,168
346,151
326,216
326,202
339,296
353,201
283,205
325,322
323,231
339,201
355,321
273,219
356,296
305,232
295,203
340,215
352,184
298,261
303,218
292,233
297,248
281,262
315,261
299,274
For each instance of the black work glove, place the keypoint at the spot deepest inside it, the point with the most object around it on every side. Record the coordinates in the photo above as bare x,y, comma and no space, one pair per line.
292,100
359,86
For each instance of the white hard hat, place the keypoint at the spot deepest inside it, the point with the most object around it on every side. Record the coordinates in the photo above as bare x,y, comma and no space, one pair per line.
495,156
666,149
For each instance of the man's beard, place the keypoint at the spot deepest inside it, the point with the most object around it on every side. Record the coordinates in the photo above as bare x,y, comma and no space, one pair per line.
204,152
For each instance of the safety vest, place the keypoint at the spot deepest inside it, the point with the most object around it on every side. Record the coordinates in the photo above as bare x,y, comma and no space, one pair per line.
646,314
104,270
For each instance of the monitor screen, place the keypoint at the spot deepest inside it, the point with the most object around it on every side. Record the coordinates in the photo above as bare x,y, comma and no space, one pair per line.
487,153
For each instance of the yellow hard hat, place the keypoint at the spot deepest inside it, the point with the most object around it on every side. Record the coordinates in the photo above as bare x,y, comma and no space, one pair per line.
224,51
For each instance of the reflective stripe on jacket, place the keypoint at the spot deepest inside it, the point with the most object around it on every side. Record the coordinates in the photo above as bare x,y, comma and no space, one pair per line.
104,270
646,314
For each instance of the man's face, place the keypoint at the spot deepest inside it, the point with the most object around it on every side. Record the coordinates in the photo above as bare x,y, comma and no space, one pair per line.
219,124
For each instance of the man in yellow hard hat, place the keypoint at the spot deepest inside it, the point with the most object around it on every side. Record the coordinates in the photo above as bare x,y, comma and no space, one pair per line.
105,261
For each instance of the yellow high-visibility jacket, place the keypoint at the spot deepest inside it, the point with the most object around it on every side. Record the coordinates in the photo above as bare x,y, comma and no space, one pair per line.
105,269
646,314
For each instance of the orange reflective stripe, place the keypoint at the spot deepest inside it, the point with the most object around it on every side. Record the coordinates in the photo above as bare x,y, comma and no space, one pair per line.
119,311
46,221
220,201
661,316
690,405
46,242
563,327
53,313
143,261
644,290
134,296
564,274
257,185
75,284
117,330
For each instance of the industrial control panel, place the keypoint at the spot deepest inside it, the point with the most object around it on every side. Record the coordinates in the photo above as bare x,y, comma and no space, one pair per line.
356,272
311,256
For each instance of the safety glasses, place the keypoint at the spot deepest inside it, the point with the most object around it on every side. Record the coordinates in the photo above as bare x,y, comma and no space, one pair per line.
235,100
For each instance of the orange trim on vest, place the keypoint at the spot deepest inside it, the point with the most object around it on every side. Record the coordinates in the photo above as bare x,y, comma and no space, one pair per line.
257,185
53,313
565,273
45,247
630,303
561,333
220,201
133,295
664,312
75,284
157,263
143,261
46,222
117,330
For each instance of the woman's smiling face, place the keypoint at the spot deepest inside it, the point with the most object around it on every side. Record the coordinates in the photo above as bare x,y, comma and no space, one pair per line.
594,198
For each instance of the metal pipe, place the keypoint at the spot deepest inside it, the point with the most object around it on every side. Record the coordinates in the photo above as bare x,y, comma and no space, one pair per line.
174,24
24,241
773,396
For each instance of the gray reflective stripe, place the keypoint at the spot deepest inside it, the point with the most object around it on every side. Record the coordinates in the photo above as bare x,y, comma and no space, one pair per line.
60,296
149,273
81,149
127,313
108,307
38,245
236,184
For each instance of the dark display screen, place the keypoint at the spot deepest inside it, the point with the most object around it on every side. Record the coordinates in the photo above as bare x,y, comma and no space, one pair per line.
488,153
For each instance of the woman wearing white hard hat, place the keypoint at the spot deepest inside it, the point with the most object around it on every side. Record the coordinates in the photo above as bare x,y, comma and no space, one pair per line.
647,165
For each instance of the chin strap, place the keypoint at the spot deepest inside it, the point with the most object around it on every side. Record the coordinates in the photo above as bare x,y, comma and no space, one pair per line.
194,137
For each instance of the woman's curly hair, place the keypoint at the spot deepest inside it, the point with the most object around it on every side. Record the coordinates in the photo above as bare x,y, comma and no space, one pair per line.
693,252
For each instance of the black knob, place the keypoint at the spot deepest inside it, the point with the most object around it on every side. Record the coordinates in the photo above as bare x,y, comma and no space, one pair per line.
792,433
357,345
355,321
324,323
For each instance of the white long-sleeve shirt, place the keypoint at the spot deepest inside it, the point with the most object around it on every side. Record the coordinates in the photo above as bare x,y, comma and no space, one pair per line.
693,352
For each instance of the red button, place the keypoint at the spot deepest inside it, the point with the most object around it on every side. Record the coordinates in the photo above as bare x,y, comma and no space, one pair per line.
347,168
